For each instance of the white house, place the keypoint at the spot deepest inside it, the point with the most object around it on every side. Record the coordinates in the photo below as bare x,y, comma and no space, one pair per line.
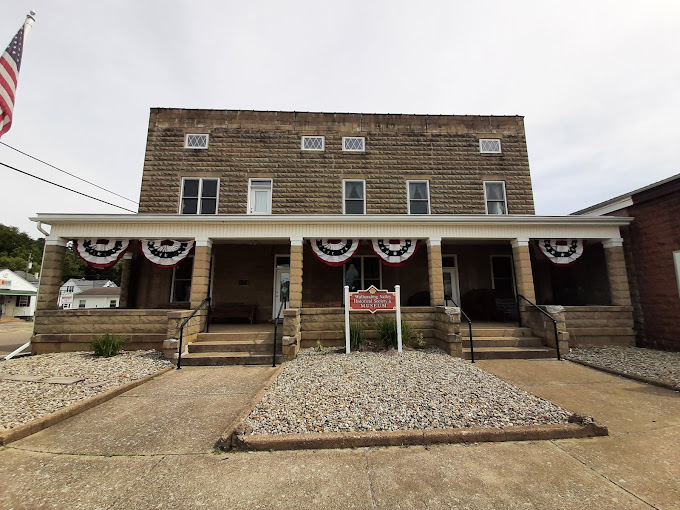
17,295
98,297
76,286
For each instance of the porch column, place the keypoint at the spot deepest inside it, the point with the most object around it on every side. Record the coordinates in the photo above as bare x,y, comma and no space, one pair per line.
200,278
295,288
523,273
51,273
434,269
125,280
616,271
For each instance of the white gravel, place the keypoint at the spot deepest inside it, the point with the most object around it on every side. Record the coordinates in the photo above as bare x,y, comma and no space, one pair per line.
22,402
662,366
367,391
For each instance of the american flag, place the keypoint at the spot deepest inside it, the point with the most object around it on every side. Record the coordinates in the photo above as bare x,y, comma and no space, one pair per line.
10,63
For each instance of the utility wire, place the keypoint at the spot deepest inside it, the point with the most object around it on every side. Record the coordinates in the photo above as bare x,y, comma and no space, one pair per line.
64,187
67,173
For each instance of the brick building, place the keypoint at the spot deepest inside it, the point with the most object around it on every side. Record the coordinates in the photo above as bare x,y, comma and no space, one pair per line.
652,251
274,206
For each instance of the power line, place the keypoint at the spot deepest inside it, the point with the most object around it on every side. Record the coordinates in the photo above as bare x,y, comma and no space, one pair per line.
64,187
67,173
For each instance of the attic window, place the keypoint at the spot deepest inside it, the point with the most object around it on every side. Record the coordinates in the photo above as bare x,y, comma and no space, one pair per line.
196,141
490,146
353,144
313,143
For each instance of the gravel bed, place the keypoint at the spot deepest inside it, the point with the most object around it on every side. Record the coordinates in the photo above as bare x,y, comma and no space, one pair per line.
662,366
368,391
22,401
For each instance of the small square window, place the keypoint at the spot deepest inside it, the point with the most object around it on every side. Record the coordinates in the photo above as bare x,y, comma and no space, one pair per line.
313,143
113,304
489,146
353,144
23,301
354,196
494,197
81,303
196,141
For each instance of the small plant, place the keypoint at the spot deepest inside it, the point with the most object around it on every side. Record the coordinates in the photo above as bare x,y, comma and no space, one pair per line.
107,344
319,346
356,335
387,332
417,341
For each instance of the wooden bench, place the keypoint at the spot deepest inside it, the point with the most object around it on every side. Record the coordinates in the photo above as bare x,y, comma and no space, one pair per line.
233,311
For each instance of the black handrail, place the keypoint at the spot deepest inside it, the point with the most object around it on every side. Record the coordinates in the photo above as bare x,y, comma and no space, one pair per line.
181,330
472,348
276,327
557,338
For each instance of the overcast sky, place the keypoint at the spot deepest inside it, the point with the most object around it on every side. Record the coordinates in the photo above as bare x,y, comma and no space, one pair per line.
598,83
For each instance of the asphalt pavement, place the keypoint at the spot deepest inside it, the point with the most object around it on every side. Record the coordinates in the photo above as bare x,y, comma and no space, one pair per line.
13,335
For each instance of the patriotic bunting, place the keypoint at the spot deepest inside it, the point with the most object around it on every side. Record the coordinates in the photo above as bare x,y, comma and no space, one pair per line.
166,253
394,252
334,252
561,251
100,253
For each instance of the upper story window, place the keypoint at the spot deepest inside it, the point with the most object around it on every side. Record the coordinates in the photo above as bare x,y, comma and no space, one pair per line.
489,146
494,197
260,196
313,143
196,141
354,196
69,288
418,197
199,196
353,144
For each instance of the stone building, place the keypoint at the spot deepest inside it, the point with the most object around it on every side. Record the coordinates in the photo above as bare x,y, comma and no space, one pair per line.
257,208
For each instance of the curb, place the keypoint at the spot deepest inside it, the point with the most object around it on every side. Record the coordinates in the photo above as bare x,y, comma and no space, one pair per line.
413,437
62,414
634,377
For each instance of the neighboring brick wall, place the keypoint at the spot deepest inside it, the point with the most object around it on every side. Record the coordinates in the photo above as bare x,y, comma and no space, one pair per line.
247,144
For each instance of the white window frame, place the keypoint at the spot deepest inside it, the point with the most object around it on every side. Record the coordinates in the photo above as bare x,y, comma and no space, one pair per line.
676,260
200,193
363,144
250,191
82,303
186,140
482,151
486,200
323,143
343,193
408,196
27,300
363,284
512,272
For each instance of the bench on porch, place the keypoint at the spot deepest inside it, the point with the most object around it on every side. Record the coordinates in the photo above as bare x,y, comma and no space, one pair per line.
233,311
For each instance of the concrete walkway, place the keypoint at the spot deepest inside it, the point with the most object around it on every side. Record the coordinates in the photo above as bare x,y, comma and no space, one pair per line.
152,448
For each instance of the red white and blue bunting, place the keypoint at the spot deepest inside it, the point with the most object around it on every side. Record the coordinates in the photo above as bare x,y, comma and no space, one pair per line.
101,253
561,251
166,253
334,252
394,252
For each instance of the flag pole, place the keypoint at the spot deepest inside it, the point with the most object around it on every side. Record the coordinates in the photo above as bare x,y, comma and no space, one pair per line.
28,24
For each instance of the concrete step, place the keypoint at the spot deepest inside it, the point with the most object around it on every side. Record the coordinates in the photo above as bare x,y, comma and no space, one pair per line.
504,341
238,336
501,331
232,346
511,353
626,322
228,358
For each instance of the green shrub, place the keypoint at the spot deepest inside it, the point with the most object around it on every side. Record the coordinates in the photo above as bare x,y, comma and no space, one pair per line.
107,344
387,332
356,334
417,341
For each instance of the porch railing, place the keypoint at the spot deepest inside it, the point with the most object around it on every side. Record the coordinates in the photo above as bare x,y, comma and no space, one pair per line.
184,323
472,348
282,306
557,338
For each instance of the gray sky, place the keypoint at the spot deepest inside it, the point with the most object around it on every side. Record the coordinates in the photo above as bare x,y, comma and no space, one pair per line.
597,81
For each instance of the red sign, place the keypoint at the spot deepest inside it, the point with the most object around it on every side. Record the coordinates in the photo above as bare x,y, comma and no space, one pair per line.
372,300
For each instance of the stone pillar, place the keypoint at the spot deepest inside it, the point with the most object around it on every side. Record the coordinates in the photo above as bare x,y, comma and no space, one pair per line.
616,271
295,289
51,273
523,274
200,278
434,269
125,280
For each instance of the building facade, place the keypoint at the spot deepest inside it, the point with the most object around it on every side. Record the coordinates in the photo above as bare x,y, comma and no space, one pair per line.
18,292
74,286
254,209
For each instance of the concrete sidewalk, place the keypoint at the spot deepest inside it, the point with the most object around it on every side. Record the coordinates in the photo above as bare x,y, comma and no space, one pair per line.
151,448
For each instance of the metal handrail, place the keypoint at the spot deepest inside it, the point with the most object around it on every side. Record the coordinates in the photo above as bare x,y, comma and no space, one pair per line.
557,338
472,348
276,327
181,330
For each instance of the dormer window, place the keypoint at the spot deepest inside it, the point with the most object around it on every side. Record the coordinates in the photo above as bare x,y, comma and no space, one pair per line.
313,143
490,146
196,141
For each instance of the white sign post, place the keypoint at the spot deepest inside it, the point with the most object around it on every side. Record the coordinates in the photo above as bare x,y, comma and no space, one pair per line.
347,319
397,289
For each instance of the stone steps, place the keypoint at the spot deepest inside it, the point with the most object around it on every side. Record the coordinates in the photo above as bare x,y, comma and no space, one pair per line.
238,336
504,341
511,353
232,346
229,358
527,341
494,331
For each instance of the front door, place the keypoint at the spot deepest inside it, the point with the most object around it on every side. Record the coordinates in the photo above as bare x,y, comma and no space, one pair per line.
281,283
451,288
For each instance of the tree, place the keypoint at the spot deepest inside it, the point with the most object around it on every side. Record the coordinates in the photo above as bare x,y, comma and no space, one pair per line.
18,248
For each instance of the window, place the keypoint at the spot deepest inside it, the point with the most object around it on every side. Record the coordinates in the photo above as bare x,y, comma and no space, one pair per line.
676,260
363,271
418,197
69,288
196,141
199,196
260,196
66,305
353,144
501,275
113,304
81,303
354,197
313,143
489,146
180,291
494,197
23,301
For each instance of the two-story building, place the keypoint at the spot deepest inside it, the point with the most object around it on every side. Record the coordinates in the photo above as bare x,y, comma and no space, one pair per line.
74,286
257,208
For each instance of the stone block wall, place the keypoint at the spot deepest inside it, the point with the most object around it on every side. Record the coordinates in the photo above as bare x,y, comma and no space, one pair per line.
600,325
290,341
543,327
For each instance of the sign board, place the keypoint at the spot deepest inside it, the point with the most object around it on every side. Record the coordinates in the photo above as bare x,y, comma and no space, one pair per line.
5,284
372,300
